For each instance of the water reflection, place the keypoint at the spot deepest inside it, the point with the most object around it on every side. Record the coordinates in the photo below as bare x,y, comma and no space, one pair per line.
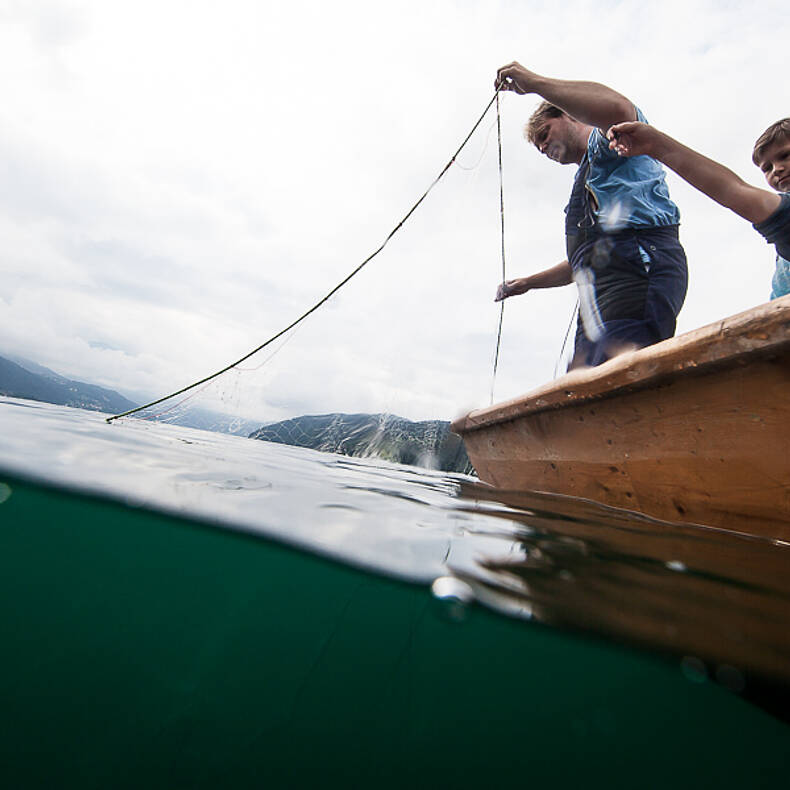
717,601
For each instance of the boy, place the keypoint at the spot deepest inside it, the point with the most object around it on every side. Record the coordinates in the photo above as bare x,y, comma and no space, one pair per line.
769,212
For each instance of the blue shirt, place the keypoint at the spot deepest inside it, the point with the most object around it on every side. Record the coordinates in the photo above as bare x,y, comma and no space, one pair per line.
780,282
630,192
776,230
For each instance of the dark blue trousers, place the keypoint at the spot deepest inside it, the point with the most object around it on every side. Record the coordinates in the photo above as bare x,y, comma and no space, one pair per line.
637,285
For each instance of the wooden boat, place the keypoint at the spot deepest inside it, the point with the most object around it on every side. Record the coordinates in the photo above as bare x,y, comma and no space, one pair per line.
696,428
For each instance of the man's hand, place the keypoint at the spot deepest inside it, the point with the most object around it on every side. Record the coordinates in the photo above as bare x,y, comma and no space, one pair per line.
509,288
514,77
587,102
633,138
561,274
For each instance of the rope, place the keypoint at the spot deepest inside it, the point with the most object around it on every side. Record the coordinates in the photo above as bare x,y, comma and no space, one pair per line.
565,340
482,153
502,223
332,292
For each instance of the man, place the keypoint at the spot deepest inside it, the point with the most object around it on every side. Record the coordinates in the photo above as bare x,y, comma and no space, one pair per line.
621,227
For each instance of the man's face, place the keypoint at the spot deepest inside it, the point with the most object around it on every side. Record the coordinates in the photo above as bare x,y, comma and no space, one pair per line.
774,161
556,140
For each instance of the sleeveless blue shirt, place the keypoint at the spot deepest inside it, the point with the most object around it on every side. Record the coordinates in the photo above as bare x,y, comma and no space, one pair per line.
613,193
776,230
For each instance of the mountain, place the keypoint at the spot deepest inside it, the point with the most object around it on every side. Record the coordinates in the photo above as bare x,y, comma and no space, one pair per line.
207,420
428,444
22,378
25,379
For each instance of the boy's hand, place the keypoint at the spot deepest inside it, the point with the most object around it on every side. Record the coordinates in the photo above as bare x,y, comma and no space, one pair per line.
633,138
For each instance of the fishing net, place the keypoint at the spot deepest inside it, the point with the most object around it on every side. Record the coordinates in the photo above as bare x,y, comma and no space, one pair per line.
352,369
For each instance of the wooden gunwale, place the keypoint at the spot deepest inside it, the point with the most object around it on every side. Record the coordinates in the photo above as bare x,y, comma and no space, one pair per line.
759,333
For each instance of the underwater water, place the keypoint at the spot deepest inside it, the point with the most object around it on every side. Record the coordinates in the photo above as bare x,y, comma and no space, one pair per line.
185,608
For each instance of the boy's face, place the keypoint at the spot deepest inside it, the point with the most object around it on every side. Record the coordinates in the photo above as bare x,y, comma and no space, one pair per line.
774,161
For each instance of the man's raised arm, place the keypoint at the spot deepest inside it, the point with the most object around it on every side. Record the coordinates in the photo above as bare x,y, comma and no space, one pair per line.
588,102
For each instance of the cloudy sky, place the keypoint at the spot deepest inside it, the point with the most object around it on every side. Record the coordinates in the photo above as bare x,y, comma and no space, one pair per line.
180,179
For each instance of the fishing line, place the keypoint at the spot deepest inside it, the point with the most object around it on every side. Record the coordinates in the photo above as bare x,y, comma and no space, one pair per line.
172,408
333,291
272,355
482,153
502,224
565,340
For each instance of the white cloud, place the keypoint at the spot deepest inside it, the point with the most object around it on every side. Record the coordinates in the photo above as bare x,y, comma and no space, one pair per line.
180,180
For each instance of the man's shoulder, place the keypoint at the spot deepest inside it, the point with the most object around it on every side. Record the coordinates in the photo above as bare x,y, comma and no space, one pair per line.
598,144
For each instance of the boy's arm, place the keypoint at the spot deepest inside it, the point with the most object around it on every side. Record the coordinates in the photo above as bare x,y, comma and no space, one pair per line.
588,102
712,178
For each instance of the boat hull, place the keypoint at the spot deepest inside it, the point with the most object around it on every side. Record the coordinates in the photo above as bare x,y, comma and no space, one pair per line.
696,428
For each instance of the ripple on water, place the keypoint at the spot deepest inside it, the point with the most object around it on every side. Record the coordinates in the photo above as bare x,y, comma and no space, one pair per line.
719,602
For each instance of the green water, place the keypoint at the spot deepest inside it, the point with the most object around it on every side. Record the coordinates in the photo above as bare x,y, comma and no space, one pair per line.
140,650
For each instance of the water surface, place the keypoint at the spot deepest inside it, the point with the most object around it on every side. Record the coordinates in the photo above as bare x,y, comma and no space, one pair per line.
716,604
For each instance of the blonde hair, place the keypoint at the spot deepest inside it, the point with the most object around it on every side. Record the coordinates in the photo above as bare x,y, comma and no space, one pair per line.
773,133
545,110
